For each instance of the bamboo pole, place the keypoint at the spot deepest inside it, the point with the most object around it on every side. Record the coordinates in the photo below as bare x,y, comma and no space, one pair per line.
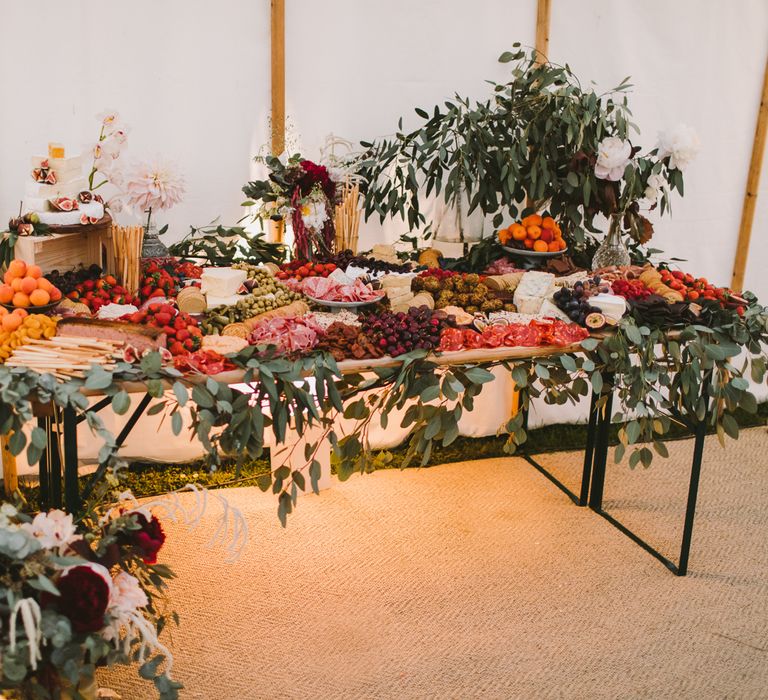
278,75
10,474
542,30
750,195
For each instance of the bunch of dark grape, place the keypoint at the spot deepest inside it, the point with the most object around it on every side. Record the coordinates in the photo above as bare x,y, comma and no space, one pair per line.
346,258
575,303
398,333
67,281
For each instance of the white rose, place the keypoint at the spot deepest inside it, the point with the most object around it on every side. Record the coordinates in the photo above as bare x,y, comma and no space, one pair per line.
681,144
314,215
613,155
127,593
54,530
654,187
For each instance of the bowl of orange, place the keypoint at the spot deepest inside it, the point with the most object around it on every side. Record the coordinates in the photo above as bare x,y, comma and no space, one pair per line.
24,287
535,236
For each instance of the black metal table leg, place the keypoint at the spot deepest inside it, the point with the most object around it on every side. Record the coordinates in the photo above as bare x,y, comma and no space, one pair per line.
681,568
601,445
71,488
693,485
55,463
589,450
122,436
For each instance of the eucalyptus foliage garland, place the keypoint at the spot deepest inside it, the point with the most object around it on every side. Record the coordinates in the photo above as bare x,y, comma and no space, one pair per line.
660,378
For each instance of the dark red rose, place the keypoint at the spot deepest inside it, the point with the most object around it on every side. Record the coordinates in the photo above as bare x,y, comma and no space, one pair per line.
84,598
315,174
147,540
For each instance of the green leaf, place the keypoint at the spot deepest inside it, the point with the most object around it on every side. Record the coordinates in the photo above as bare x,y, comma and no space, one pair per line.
121,402
590,343
633,334
572,179
201,397
730,426
597,382
39,438
479,375
568,363
177,423
98,378
151,363
181,393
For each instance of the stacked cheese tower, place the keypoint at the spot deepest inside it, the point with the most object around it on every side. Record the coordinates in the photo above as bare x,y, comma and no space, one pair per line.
58,192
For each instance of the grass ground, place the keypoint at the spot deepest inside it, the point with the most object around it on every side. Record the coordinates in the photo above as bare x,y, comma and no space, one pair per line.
149,479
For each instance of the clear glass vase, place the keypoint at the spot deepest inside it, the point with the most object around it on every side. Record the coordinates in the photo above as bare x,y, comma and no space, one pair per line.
612,251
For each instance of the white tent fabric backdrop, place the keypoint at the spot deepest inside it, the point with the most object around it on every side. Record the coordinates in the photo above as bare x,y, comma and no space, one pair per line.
191,79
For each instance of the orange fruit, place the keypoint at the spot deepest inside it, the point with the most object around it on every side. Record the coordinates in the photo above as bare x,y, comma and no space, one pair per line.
44,284
20,299
21,313
17,268
11,322
34,271
548,222
553,246
7,277
28,285
540,246
39,297
518,232
534,232
504,236
532,220
528,243
562,244
54,293
546,235
16,284
6,294
558,231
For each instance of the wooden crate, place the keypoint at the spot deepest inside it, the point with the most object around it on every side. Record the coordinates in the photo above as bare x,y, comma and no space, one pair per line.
66,251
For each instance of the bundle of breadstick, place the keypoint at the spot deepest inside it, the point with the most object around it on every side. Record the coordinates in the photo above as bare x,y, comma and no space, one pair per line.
127,242
651,278
346,217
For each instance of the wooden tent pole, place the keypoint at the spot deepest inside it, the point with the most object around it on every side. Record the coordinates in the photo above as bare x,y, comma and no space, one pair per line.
542,30
750,196
10,474
278,75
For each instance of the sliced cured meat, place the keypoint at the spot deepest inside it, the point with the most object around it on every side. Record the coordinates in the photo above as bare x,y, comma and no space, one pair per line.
289,335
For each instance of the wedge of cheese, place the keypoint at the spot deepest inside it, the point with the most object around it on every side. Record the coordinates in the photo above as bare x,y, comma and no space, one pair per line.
533,289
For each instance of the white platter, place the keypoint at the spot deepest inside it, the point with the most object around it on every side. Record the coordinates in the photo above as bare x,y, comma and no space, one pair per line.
345,304
533,253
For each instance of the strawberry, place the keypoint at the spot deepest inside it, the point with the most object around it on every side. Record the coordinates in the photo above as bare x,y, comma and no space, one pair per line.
182,334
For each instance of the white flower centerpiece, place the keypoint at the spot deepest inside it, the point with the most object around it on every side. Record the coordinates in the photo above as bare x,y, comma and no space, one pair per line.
632,183
152,187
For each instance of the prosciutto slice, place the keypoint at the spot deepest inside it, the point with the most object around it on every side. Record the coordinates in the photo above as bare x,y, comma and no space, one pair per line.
326,289
288,335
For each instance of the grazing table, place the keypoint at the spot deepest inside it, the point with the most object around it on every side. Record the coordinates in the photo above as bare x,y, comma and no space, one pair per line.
60,458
